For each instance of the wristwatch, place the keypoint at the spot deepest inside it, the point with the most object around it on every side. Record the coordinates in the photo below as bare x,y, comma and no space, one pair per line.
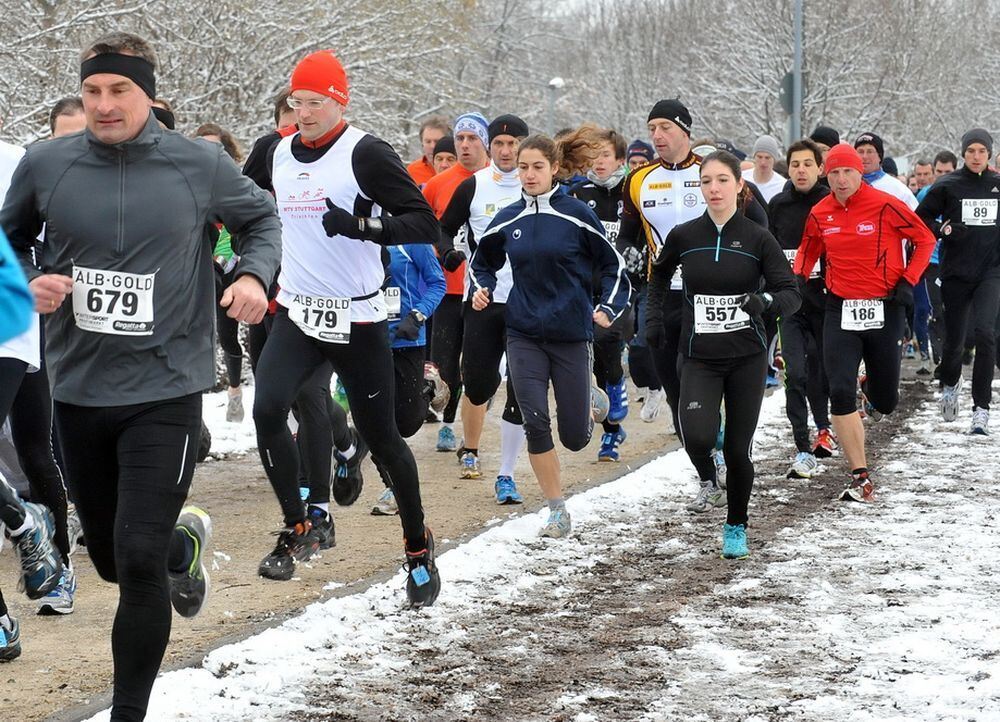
768,297
371,227
419,316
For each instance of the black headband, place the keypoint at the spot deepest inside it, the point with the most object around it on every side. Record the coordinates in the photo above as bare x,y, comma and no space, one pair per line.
139,70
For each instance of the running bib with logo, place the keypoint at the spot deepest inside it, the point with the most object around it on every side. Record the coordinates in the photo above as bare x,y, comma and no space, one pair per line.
790,255
719,314
979,211
862,314
113,302
462,241
611,228
393,302
324,319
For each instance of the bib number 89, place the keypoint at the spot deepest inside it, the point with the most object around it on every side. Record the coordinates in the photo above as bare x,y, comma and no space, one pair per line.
107,300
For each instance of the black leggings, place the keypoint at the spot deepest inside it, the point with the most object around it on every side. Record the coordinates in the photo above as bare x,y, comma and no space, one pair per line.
446,349
705,384
805,378
411,396
322,425
228,331
981,300
483,345
640,357
608,346
882,351
366,368
666,359
130,469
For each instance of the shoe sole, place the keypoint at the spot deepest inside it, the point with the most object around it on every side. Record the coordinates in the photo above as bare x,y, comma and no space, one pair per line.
798,475
820,453
734,557
471,475
47,610
852,495
9,654
381,512
508,500
275,575
607,458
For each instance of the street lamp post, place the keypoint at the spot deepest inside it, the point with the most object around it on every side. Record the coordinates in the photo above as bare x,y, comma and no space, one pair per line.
555,85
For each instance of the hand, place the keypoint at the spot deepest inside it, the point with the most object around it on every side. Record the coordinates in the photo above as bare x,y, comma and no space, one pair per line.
902,294
656,336
753,304
49,291
452,260
246,300
409,328
602,319
338,222
481,299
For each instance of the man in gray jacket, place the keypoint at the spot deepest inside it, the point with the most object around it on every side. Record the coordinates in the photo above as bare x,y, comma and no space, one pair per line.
127,286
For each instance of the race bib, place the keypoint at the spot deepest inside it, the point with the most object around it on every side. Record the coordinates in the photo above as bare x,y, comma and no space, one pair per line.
393,302
719,314
462,241
324,319
979,211
862,314
677,282
611,228
113,302
790,255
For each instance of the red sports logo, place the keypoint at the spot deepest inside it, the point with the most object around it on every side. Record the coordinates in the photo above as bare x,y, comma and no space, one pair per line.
866,228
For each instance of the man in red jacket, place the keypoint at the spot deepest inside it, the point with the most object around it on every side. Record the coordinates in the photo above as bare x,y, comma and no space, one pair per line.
862,233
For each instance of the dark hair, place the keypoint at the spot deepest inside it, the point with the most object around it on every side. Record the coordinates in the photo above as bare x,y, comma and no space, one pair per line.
727,159
121,43
804,144
946,156
438,122
922,161
280,103
70,105
229,143
575,151
617,142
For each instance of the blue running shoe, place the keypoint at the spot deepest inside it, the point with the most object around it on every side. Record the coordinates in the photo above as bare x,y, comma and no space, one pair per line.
558,525
734,541
10,642
609,445
469,463
617,401
41,567
772,381
446,439
506,491
60,599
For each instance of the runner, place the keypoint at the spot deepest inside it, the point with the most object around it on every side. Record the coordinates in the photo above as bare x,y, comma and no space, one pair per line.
475,203
331,182
472,143
603,193
966,202
861,232
128,288
444,154
802,332
556,246
871,149
734,270
639,154
763,176
432,130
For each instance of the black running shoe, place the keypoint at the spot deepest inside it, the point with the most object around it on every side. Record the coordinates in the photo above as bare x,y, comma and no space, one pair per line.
322,526
299,543
347,479
189,588
423,582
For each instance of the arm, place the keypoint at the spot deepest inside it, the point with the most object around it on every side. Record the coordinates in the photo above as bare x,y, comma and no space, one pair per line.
630,231
659,279
778,279
258,165
810,249
20,219
616,289
433,277
383,178
455,216
932,206
912,227
489,258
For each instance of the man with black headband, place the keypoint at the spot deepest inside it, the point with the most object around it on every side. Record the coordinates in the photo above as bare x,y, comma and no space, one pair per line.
127,286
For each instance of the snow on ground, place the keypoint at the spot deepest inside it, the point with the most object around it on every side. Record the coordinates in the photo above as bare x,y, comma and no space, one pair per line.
854,612
229,437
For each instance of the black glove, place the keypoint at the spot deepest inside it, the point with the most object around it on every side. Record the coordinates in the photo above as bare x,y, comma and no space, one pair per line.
338,222
452,259
656,336
409,328
902,294
753,304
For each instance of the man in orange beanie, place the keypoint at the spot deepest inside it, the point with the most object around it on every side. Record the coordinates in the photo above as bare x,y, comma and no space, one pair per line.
332,183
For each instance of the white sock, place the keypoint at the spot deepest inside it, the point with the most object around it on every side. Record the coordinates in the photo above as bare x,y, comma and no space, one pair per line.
6,623
29,523
347,454
511,443
325,506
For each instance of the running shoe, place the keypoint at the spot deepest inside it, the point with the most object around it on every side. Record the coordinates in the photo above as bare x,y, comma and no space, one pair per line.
234,409
297,543
41,567
721,470
980,422
446,439
868,409
323,528
469,463
440,393
348,479
925,365
506,491
600,404
861,489
74,530
772,381
804,466
609,445
651,407
10,641
949,400
386,504
60,599
734,541
189,588
423,582
617,401
558,525
826,444
641,393
910,350
709,496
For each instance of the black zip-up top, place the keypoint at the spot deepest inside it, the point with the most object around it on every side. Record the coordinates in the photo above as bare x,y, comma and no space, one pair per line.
967,203
787,213
607,203
718,266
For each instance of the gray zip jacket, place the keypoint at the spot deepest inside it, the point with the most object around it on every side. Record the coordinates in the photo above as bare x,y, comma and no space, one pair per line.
141,207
